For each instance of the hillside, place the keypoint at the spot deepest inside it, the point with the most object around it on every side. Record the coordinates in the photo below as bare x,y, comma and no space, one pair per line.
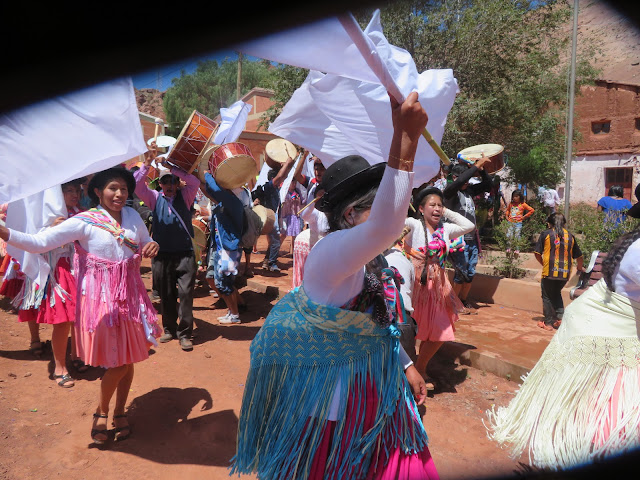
616,37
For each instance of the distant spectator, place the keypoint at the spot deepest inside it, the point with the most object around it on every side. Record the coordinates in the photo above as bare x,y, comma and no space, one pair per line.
555,251
614,205
549,198
517,211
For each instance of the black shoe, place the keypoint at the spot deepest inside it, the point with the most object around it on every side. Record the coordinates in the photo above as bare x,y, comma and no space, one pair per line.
166,337
186,344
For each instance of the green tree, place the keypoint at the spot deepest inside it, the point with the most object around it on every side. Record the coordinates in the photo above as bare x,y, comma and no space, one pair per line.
284,81
212,86
510,60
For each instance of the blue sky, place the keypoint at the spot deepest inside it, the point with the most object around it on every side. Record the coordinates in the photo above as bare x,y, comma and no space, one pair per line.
161,76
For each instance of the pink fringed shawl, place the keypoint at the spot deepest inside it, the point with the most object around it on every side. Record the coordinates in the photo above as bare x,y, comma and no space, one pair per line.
111,291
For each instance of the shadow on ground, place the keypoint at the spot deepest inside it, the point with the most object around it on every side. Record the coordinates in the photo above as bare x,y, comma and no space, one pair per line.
169,428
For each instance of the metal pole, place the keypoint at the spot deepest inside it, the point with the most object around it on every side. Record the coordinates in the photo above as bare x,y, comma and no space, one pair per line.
239,84
572,86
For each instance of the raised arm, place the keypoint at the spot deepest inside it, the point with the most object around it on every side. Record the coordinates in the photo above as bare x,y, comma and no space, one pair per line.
456,224
343,253
148,196
190,190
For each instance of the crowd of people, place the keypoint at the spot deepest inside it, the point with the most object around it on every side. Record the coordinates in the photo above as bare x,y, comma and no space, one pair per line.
370,293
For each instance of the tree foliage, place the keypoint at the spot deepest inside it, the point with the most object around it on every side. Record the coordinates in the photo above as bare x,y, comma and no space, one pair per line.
212,86
510,58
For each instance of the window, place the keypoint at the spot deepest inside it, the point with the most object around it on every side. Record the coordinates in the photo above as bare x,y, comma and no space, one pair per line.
622,176
600,127
637,123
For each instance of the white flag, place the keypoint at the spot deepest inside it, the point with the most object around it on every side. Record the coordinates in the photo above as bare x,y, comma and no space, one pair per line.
233,122
33,214
346,110
67,137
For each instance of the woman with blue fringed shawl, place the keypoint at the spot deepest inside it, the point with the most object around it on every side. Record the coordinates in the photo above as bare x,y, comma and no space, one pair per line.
330,393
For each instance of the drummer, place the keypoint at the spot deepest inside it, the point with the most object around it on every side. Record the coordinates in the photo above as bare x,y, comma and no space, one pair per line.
458,196
173,231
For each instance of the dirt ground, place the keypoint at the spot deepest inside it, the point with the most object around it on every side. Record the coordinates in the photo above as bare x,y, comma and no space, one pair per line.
184,406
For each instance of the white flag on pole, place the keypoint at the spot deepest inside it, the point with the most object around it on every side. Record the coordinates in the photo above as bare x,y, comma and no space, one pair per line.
234,120
67,137
347,110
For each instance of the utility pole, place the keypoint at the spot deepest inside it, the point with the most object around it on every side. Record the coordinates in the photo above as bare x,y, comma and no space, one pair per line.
239,84
572,87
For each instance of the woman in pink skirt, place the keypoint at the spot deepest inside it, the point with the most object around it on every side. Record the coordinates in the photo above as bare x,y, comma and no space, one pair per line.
116,323
435,304
330,393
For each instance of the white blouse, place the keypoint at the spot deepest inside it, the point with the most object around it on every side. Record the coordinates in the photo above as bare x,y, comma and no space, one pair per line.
334,270
318,223
94,240
454,225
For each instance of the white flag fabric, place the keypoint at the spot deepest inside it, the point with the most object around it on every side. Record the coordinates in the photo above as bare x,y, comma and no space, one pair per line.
284,189
262,176
333,117
33,214
346,110
234,120
67,137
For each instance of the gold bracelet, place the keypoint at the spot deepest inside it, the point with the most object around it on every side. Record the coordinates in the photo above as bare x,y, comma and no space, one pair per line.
404,164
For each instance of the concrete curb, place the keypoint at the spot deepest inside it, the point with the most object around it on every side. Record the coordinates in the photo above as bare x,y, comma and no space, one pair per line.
465,354
468,355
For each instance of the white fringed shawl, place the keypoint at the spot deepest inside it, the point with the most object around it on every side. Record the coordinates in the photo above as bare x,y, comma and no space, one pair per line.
581,401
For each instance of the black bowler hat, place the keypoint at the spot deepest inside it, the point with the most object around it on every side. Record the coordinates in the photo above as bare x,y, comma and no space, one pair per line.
347,175
423,193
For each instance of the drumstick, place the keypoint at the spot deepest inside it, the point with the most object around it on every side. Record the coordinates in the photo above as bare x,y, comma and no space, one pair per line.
436,147
155,135
309,204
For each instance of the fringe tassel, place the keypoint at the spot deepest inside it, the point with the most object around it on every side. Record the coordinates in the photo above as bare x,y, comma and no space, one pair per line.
570,412
285,409
111,291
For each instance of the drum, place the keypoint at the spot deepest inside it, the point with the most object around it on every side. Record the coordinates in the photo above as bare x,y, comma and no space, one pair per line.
494,151
278,151
200,239
268,218
194,139
231,164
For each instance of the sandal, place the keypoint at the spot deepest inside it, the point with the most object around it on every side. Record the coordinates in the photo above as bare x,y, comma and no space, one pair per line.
79,365
99,431
36,348
543,325
63,380
121,436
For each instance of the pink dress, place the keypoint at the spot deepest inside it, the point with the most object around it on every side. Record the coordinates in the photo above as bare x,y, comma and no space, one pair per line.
116,323
300,252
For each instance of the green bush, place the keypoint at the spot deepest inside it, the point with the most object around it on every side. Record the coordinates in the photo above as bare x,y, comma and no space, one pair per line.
588,225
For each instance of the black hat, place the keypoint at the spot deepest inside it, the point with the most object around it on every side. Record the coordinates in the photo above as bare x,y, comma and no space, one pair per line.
635,210
423,193
347,175
101,179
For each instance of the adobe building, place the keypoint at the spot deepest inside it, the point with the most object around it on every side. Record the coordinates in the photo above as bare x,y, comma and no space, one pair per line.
607,117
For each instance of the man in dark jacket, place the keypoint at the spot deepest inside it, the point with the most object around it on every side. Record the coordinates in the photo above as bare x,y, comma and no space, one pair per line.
458,196
175,264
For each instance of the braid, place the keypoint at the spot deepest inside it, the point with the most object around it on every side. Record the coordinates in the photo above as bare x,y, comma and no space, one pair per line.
614,257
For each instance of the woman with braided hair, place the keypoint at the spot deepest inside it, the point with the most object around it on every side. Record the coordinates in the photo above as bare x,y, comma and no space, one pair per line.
330,392
581,402
435,304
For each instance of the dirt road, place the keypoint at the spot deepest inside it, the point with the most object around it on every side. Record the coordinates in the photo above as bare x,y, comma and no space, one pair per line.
184,406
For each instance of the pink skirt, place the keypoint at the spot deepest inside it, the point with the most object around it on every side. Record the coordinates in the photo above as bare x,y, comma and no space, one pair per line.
435,305
64,309
300,253
397,466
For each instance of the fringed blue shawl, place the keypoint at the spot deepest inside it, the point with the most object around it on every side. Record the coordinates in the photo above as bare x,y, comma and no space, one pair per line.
297,359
